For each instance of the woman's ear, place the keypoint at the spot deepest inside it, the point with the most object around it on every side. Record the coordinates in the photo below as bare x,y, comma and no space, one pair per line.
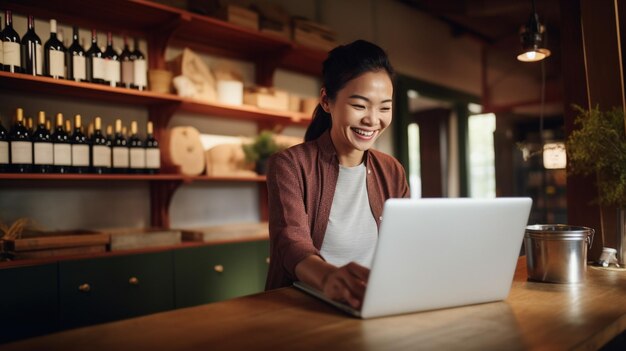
324,100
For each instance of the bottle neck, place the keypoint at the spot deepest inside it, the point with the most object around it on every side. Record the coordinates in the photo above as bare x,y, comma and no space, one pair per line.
31,23
8,19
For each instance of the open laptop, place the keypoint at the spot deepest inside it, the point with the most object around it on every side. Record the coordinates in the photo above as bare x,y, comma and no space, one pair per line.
439,253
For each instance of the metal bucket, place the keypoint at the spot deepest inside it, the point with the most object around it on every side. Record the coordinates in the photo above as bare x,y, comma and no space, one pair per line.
557,253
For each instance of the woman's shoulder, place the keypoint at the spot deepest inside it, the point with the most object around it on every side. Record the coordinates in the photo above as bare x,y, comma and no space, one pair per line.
297,152
384,159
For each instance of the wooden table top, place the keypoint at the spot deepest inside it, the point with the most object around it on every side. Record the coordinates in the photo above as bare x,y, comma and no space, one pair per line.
534,316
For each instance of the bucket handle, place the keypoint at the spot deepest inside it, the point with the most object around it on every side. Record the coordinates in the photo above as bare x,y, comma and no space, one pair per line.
590,238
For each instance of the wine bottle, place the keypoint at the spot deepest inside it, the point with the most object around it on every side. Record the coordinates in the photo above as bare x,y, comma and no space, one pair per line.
43,151
4,149
137,151
127,58
140,68
21,145
95,62
68,127
80,148
54,53
109,136
120,150
76,63
32,51
153,152
29,125
100,151
112,62
48,126
11,51
62,147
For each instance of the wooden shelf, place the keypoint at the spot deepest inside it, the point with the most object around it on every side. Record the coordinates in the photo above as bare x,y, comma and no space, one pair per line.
60,87
184,28
125,177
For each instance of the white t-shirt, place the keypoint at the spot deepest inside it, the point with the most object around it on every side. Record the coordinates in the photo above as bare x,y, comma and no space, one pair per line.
351,233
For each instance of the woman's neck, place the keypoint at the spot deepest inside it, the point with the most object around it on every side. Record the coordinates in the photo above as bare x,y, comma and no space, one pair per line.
348,157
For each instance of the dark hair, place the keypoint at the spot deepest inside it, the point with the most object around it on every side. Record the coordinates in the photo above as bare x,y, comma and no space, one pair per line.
343,64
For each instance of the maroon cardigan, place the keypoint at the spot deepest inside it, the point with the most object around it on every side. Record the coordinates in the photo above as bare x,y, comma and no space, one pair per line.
301,184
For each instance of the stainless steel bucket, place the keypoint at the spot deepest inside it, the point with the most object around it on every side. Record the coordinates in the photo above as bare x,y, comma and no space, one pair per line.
557,253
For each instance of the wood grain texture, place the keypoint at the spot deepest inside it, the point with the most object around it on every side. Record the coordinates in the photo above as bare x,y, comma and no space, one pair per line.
534,316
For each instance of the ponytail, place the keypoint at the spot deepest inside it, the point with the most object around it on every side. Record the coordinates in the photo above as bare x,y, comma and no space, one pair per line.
321,122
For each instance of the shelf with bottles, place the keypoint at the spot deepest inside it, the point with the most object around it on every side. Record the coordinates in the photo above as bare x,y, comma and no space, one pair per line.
163,25
124,177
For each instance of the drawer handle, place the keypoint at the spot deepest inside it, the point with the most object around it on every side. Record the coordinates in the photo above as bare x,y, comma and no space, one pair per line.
267,260
84,288
219,268
133,281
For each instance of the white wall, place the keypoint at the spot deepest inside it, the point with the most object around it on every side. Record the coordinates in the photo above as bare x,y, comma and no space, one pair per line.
418,46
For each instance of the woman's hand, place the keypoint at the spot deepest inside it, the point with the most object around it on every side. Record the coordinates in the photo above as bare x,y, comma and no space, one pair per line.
346,283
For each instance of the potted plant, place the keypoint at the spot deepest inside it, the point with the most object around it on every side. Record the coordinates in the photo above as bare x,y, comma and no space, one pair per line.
598,148
261,149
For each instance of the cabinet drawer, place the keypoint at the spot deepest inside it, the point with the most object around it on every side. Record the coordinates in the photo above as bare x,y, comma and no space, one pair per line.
105,289
214,273
28,301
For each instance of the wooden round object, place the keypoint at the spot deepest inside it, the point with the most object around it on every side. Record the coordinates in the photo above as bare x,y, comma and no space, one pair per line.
184,149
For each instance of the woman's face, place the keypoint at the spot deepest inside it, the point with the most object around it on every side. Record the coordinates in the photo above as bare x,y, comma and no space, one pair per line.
360,112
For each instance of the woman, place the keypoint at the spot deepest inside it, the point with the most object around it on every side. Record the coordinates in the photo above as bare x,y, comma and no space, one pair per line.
326,195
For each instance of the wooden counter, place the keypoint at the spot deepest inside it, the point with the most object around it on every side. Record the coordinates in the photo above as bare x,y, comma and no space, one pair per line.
534,316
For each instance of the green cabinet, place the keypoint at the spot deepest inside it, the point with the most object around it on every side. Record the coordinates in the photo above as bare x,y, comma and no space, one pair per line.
28,301
110,288
213,273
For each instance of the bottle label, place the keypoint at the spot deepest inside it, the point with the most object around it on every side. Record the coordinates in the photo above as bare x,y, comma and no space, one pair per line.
112,71
44,154
98,68
57,63
62,154
21,152
137,158
79,67
80,155
1,53
101,156
39,58
11,52
140,72
128,72
153,158
120,157
4,152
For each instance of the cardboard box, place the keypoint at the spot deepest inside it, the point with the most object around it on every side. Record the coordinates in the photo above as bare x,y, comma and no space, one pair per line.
267,98
313,34
240,16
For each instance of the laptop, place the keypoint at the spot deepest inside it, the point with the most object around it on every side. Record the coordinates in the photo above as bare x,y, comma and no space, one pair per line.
440,253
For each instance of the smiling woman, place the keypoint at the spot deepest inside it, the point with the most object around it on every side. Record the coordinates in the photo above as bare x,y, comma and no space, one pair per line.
326,196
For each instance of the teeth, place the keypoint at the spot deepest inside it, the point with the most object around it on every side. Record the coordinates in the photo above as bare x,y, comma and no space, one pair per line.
363,132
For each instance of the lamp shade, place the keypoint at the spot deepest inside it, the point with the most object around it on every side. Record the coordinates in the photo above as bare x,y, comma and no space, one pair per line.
531,36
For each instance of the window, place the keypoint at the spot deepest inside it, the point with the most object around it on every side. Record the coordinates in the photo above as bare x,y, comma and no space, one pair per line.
482,170
415,175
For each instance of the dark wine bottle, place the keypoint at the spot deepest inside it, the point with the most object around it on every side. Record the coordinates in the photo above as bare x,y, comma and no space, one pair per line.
4,149
32,51
137,151
128,69
112,62
80,148
43,151
76,62
120,150
109,135
95,62
62,147
29,126
153,152
100,151
11,51
21,145
140,68
54,53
